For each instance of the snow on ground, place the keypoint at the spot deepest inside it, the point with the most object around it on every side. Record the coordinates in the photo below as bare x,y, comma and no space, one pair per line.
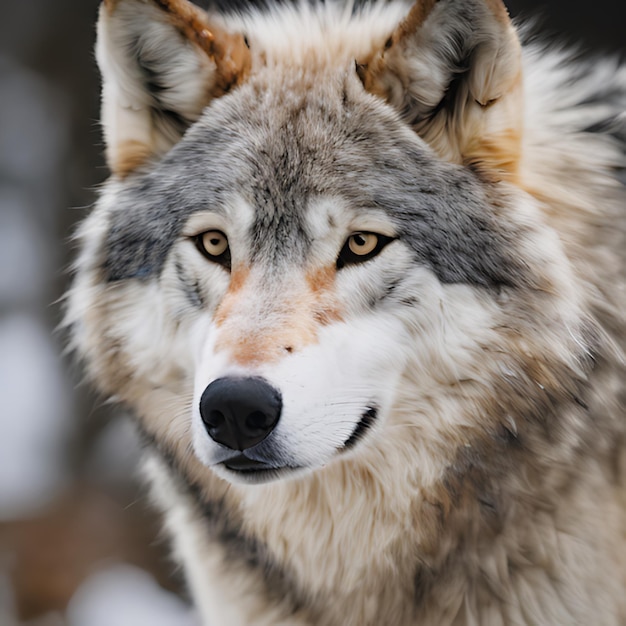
123,595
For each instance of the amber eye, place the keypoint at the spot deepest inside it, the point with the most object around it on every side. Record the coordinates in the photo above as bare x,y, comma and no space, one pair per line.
361,247
362,243
214,245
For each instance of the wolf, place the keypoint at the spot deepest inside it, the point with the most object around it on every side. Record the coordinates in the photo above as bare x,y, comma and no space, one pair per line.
358,271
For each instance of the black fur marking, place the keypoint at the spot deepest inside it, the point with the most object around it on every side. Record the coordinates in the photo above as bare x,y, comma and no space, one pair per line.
190,286
154,84
508,436
361,428
451,95
152,80
410,301
422,583
391,289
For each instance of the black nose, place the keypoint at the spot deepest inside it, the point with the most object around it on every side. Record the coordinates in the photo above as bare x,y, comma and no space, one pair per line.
240,412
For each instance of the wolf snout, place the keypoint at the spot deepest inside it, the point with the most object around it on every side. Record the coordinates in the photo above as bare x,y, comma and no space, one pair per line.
240,412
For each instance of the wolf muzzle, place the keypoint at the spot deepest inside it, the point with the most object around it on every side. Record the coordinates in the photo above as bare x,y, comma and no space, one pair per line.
239,413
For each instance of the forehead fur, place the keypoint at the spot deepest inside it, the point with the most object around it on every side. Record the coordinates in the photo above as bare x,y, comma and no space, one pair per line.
282,149
322,35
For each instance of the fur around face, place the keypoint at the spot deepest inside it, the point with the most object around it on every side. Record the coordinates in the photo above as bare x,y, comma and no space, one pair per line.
451,447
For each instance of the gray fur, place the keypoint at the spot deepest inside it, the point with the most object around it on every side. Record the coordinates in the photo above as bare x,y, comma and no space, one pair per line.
440,210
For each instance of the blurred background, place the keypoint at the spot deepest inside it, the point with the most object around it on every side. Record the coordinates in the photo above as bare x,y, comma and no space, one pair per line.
79,544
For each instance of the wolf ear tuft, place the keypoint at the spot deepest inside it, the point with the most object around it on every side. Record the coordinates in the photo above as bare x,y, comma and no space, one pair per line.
162,62
452,69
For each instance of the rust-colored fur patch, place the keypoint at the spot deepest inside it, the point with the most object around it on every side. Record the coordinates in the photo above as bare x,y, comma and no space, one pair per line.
496,157
417,16
129,155
237,280
323,301
299,314
228,50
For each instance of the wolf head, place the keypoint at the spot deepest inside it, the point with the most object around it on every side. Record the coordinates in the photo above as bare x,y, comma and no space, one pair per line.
314,246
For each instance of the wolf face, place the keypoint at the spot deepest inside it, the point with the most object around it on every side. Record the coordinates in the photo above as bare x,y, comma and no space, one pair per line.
268,267
289,297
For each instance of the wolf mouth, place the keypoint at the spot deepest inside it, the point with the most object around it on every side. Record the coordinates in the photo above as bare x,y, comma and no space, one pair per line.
242,463
258,471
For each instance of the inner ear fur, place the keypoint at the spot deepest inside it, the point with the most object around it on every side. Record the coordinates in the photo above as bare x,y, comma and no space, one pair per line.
162,62
452,68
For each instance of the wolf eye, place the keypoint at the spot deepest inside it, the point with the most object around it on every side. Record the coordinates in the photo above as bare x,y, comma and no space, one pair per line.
361,247
214,246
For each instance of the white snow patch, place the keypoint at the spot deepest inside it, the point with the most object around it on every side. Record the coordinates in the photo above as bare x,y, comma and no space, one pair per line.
35,420
124,595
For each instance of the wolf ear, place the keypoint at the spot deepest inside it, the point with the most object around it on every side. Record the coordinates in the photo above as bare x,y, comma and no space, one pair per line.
162,62
452,69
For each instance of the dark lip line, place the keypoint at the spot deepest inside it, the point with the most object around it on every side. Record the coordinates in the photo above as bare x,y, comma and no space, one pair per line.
250,466
263,470
365,423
